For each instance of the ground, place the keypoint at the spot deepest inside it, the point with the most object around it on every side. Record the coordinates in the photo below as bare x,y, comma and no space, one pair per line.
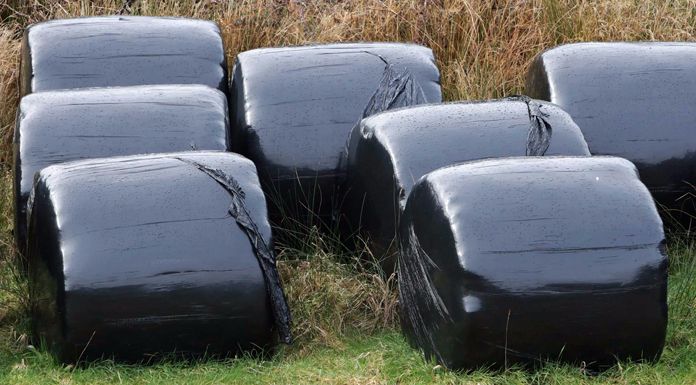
345,314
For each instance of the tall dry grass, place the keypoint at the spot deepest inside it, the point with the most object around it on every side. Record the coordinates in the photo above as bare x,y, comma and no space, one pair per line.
483,48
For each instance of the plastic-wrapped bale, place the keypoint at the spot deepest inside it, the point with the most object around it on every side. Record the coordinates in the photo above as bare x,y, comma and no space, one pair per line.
122,51
59,126
517,260
389,152
633,100
293,108
135,257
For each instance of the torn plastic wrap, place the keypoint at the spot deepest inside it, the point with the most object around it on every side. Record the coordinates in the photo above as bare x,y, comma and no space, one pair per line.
521,260
633,100
59,126
389,152
293,108
113,51
151,255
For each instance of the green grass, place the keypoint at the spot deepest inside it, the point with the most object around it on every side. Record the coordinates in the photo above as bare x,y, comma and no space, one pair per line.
380,358
371,355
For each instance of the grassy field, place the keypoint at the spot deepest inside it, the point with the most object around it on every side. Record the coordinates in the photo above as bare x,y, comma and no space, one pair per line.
345,314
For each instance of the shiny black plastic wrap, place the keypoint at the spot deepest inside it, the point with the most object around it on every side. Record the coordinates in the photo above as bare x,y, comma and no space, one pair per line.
59,126
633,100
519,260
293,108
111,51
152,255
389,152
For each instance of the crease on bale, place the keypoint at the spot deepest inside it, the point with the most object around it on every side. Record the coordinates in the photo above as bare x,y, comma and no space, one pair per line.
396,89
263,252
540,130
414,278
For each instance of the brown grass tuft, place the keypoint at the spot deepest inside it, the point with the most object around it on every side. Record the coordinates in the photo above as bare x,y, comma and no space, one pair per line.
9,75
331,295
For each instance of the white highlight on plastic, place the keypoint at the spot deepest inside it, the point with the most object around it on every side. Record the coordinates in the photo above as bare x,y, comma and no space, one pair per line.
471,304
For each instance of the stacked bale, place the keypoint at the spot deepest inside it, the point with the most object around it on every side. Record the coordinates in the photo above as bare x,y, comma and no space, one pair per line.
114,51
131,257
633,100
519,260
59,126
389,152
137,256
292,110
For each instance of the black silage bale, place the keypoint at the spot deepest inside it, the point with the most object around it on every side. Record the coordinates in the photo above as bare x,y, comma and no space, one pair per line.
109,51
59,126
293,108
389,152
521,260
633,100
145,256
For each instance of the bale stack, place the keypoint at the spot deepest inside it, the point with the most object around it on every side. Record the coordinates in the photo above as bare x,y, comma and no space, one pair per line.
389,152
139,257
514,244
59,126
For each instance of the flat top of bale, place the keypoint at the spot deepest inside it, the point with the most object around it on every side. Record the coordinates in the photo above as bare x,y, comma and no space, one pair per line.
550,210
154,22
184,93
536,165
620,49
334,48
